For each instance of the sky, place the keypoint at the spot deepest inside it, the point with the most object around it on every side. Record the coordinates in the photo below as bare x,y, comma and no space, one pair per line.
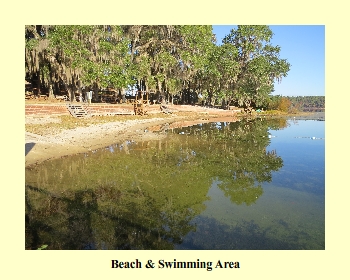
304,48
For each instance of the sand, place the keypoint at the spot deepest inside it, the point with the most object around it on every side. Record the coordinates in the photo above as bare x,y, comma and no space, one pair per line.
39,148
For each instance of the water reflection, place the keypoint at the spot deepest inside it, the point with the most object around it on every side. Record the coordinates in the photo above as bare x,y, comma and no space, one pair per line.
102,219
280,220
147,195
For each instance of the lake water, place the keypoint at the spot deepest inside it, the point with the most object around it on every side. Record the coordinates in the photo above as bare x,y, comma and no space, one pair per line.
246,185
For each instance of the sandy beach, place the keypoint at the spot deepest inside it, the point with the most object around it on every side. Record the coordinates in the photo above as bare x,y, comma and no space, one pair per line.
53,144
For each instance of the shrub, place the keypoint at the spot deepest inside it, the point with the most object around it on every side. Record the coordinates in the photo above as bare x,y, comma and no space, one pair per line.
284,104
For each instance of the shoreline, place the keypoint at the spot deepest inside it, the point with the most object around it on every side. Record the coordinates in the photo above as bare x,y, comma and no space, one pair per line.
40,148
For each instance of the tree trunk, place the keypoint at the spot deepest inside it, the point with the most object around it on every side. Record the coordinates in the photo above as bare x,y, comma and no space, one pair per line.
223,104
70,94
80,91
51,95
38,84
56,90
159,91
122,93
95,90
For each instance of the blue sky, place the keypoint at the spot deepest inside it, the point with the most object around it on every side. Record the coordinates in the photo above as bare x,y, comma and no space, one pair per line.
304,48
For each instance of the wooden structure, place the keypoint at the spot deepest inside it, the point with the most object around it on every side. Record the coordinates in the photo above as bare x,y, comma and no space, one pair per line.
78,110
141,103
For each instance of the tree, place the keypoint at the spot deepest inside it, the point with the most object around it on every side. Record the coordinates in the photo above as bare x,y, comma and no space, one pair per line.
37,62
167,57
75,57
197,44
219,73
153,53
92,56
257,64
284,104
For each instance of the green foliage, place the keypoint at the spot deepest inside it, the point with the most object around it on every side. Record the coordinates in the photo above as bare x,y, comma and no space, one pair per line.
168,58
258,65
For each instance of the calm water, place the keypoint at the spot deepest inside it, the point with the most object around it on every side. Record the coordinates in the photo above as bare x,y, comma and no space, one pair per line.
256,184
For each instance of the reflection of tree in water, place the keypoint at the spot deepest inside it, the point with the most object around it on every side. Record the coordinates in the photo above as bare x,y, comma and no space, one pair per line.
79,221
147,197
88,220
239,183
235,154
